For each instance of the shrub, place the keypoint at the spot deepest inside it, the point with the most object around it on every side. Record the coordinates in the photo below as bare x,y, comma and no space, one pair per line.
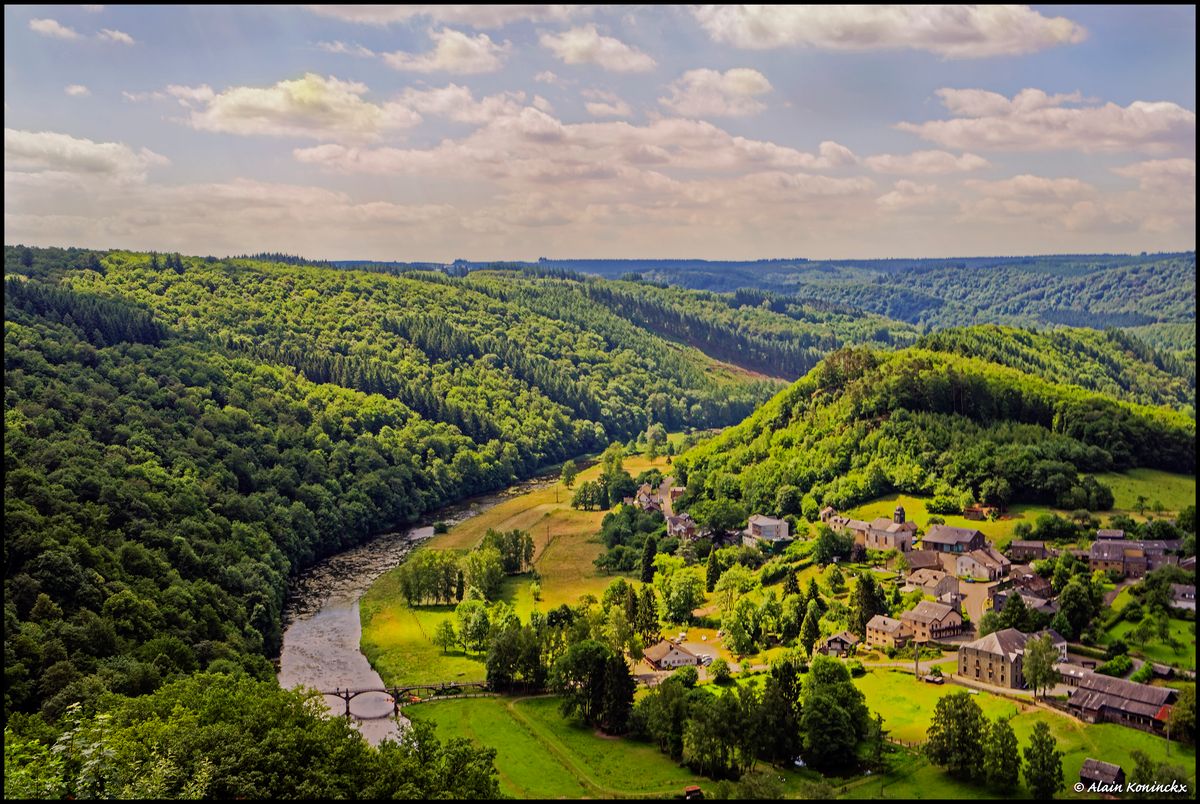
440,527
1144,674
687,675
855,667
720,672
1118,666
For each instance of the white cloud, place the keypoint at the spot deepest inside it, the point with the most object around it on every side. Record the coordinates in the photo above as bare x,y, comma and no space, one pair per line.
312,107
532,147
704,93
188,96
77,90
1035,121
586,45
235,216
454,52
962,32
119,37
93,9
1159,174
48,152
51,28
925,163
547,77
457,103
1031,187
474,16
140,97
906,195
351,50
605,104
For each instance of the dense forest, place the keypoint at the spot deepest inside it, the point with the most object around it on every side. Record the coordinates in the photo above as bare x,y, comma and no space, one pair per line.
1112,362
865,423
181,434
1151,295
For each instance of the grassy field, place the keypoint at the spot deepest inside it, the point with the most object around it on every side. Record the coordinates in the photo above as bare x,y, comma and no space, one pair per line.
1173,491
999,532
397,639
907,708
1182,631
541,754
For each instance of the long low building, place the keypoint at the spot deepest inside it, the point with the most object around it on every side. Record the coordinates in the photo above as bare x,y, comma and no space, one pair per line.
1099,698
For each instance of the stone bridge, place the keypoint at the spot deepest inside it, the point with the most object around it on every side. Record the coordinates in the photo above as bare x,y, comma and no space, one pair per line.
412,693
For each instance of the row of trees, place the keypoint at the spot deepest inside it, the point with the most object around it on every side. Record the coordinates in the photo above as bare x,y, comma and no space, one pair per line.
821,716
971,747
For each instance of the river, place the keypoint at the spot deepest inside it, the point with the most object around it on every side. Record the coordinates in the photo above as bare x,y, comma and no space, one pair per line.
322,629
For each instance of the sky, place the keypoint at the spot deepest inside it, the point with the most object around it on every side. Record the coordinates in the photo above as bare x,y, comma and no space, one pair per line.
433,133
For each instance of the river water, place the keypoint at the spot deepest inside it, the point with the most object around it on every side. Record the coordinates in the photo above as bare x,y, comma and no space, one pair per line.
322,628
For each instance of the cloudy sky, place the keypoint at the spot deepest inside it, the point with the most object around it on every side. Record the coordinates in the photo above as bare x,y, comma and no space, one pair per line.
513,132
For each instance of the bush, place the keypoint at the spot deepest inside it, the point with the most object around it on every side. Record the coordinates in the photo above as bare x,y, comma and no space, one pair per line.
1116,648
720,672
687,675
1132,612
855,667
1144,674
1116,667
773,571
440,527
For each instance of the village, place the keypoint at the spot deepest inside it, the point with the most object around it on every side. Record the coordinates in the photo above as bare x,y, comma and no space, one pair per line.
965,584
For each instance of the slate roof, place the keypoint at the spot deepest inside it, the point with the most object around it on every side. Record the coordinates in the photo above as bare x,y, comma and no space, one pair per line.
944,534
1098,771
659,650
1007,643
1096,691
884,624
927,612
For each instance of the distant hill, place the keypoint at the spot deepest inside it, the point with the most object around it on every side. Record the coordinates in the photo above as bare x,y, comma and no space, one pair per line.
1112,362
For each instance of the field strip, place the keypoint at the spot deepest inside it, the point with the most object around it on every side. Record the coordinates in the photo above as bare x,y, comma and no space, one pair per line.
563,754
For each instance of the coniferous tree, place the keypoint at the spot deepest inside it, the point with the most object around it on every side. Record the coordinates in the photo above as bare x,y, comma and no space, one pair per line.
648,553
712,571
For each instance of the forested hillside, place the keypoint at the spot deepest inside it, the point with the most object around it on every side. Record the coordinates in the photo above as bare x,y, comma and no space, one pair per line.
1088,290
864,423
760,331
1112,362
1154,295
183,433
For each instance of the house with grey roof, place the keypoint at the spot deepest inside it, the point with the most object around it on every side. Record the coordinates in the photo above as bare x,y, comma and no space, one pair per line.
995,659
946,539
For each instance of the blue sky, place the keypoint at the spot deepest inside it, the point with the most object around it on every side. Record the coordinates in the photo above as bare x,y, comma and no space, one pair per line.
431,133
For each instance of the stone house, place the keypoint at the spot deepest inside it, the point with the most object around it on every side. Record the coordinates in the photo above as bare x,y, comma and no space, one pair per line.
946,539
995,659
931,621
884,632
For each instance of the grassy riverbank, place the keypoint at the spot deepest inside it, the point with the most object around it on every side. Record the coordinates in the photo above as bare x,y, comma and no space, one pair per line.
397,639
